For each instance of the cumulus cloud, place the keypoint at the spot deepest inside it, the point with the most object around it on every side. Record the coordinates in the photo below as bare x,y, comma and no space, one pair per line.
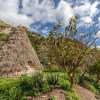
34,11
9,13
45,31
98,22
98,47
35,28
98,34
87,12
45,11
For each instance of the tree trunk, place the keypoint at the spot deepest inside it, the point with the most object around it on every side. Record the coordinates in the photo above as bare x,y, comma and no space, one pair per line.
71,79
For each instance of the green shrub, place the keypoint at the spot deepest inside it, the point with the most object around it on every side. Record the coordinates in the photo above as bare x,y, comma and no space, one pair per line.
39,84
77,77
94,89
24,84
53,98
3,36
24,98
3,97
72,96
53,79
64,84
64,75
9,90
97,86
15,93
20,88
53,67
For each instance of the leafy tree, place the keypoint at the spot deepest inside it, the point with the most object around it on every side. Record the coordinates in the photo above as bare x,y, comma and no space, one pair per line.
66,50
95,70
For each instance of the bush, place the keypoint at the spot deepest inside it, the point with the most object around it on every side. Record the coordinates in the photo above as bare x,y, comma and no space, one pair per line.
19,89
97,86
9,90
64,84
77,78
24,98
3,37
93,89
25,85
39,84
53,67
72,96
15,93
53,98
53,79
64,75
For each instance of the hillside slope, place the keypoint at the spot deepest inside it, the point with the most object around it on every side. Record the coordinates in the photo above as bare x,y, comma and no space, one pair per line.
85,94
61,95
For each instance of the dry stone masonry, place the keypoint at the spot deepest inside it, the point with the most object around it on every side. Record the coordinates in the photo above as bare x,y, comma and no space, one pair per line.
17,56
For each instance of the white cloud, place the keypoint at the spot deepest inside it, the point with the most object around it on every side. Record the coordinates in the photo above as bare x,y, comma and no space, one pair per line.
98,47
94,10
9,13
99,19
98,34
36,28
87,19
98,25
44,11
87,12
87,9
45,31
82,10
64,11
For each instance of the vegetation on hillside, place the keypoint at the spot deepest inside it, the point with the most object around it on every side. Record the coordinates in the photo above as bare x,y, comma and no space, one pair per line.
67,60
3,25
68,52
20,89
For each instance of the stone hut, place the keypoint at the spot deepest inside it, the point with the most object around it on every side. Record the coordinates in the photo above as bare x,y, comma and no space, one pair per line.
17,56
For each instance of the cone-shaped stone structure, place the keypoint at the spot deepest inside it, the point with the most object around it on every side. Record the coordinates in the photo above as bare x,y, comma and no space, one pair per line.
17,56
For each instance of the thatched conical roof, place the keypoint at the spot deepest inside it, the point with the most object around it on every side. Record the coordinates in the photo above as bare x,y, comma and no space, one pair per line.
17,55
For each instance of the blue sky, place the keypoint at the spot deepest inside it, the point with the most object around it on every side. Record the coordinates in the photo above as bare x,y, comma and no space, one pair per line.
41,15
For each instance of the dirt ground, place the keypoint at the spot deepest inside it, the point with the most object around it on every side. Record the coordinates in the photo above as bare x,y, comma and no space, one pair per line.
60,94
85,94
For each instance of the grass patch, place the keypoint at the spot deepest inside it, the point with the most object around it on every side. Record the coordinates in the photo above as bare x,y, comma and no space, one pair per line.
72,95
21,88
53,98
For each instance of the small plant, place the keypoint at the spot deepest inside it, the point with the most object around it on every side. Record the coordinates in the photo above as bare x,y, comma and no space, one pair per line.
39,84
64,84
53,98
93,89
24,98
3,37
15,93
53,79
24,84
72,96
53,67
